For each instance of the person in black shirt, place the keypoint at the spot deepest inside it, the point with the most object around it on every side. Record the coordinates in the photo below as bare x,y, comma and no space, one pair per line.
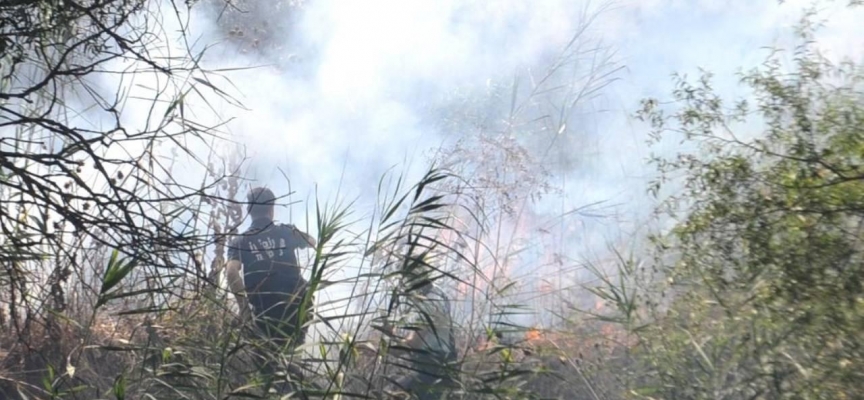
271,283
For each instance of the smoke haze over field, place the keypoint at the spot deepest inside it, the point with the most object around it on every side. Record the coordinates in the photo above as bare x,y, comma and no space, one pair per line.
360,87
374,78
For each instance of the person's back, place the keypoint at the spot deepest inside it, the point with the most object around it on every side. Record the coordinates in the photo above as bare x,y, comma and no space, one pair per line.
272,278
272,281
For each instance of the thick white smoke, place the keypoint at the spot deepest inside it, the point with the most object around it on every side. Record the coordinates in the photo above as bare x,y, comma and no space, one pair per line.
371,81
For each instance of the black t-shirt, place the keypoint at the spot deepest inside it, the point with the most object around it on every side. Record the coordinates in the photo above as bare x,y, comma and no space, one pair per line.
267,252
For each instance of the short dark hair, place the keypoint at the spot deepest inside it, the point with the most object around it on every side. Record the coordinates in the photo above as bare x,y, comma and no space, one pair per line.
260,201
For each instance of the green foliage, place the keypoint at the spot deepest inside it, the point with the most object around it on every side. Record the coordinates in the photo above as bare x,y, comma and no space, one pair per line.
119,389
114,273
764,284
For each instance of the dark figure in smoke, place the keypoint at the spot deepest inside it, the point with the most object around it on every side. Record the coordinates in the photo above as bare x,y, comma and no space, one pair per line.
429,346
271,282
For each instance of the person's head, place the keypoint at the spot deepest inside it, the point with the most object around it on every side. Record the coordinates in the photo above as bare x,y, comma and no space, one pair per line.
261,204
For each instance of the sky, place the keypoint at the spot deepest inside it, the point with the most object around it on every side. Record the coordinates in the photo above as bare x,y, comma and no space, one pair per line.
370,81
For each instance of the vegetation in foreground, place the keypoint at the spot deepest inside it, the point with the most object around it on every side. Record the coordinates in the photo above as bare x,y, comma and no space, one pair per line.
111,267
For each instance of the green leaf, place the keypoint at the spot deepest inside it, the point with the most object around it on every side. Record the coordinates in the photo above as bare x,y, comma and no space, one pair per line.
48,380
119,388
115,271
